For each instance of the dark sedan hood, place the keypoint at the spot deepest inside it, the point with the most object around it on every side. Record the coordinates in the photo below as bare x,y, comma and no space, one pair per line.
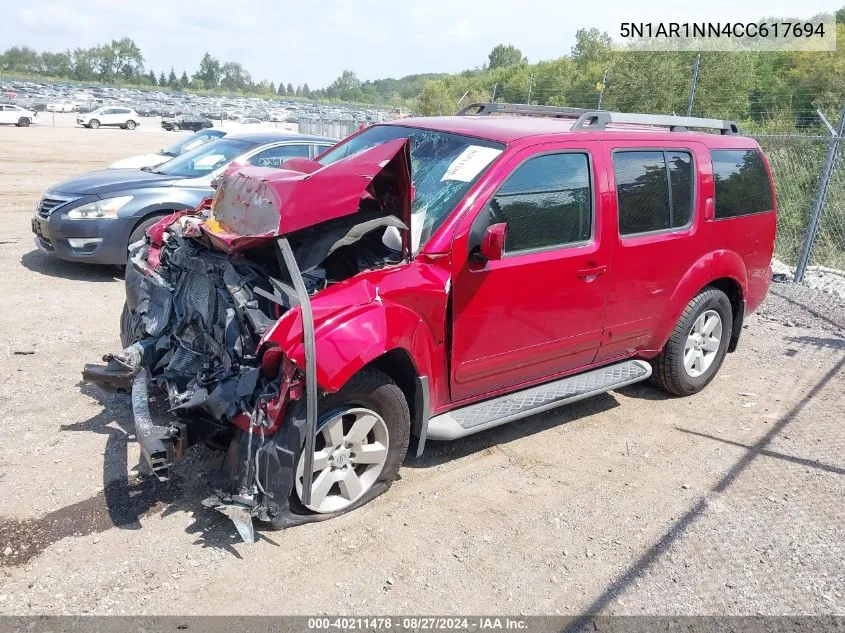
108,181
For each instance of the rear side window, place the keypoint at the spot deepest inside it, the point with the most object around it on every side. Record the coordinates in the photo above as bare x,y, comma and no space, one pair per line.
546,202
654,189
742,184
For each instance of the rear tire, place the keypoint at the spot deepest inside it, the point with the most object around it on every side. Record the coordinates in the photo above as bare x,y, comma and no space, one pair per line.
369,390
694,353
23,122
93,124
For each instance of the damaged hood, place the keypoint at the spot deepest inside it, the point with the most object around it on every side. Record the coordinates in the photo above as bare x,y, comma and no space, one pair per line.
255,203
108,181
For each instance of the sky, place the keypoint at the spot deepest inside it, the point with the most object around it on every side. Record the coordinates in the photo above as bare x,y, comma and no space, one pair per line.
313,41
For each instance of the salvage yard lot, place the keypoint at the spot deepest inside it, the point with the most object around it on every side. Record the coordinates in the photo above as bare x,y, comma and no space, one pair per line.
727,502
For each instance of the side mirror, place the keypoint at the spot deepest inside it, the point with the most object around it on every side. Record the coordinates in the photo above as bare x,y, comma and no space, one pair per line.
493,242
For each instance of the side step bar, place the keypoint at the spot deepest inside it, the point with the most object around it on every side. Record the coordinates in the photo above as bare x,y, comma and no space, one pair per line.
514,406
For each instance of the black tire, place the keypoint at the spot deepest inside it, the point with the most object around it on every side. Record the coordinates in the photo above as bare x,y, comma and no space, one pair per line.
93,124
140,229
372,389
174,128
130,125
669,372
23,122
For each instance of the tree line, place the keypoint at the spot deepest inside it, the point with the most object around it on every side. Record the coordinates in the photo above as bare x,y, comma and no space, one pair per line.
786,86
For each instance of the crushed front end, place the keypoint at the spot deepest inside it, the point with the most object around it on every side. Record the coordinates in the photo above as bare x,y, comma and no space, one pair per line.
203,293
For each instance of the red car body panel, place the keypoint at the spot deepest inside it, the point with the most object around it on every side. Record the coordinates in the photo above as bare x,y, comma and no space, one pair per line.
508,326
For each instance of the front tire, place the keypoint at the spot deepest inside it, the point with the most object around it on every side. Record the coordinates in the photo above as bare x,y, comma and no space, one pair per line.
130,125
23,122
174,128
93,124
362,438
694,353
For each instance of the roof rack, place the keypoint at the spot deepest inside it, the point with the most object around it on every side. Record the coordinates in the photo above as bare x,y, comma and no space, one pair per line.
600,119
486,109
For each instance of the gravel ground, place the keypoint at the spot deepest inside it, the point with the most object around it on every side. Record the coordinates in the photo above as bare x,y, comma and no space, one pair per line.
727,502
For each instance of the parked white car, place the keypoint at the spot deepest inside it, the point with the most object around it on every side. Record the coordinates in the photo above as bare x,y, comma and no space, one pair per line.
60,106
165,154
115,116
16,115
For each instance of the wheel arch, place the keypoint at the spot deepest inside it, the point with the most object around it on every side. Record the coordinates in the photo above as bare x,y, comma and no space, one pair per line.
721,269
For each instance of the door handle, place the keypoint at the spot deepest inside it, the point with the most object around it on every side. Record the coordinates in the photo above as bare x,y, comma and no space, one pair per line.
589,274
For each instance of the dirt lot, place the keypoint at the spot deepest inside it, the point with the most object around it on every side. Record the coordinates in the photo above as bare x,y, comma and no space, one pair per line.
727,502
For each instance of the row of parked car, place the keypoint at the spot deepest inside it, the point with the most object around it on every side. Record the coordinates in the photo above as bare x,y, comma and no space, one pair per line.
423,279
63,97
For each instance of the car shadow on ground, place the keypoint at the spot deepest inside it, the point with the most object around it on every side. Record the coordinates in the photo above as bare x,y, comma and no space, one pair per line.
130,492
44,264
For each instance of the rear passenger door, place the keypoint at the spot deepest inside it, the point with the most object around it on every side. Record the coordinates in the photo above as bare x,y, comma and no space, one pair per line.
660,234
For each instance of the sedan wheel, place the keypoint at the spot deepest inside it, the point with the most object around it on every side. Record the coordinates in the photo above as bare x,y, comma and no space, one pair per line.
702,345
351,451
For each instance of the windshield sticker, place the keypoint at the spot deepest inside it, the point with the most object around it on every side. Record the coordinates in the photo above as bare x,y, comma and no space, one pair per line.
470,162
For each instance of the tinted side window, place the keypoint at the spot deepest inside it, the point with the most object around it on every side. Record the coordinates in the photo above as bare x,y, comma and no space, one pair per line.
275,156
546,202
742,184
652,196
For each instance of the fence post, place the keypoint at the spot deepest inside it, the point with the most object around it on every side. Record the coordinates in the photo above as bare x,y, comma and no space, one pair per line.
821,196
691,101
601,93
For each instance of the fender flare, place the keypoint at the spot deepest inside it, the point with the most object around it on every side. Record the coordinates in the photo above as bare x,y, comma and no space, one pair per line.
715,265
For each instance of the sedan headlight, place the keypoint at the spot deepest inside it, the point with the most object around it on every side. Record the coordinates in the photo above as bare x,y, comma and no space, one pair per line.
107,208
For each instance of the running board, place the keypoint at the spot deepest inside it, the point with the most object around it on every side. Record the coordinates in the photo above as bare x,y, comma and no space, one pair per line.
514,406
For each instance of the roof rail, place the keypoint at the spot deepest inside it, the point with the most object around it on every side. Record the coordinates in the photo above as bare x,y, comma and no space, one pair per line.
599,120
486,109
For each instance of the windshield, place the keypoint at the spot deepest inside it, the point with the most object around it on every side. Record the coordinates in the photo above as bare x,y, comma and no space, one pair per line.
191,142
443,166
204,159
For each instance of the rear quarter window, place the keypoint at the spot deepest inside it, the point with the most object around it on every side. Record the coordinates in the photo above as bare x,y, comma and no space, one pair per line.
741,182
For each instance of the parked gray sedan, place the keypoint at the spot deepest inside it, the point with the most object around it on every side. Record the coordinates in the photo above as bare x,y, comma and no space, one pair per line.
94,217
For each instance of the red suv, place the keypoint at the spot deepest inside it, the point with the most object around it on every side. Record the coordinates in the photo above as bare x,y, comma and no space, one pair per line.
436,277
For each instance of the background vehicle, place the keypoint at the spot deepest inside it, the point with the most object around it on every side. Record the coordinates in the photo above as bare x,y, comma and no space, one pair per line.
110,116
16,115
533,261
181,146
186,122
94,217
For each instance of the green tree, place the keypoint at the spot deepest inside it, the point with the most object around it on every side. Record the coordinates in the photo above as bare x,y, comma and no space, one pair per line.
184,82
435,100
151,76
281,91
162,80
290,89
306,91
209,71
347,87
56,64
234,77
21,59
128,60
172,81
505,55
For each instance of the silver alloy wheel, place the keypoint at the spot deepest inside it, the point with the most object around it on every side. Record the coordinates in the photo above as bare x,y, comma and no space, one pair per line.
349,456
702,344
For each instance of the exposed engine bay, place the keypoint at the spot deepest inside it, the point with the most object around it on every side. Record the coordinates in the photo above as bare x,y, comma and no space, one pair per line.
200,302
